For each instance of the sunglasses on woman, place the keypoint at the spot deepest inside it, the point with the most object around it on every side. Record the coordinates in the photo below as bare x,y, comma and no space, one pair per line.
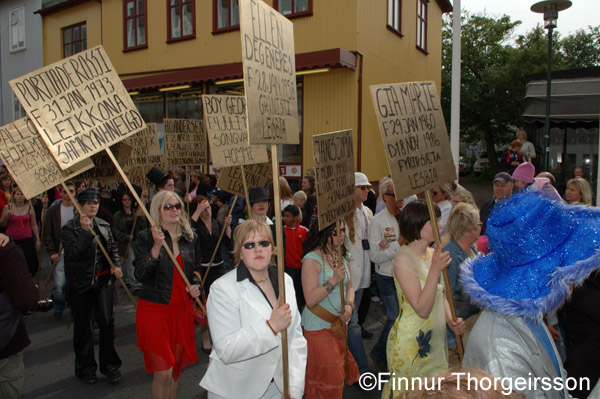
169,207
261,244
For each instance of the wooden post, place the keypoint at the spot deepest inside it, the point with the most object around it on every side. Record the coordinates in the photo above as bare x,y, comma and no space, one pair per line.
106,255
280,266
130,238
152,223
338,232
245,189
187,188
438,241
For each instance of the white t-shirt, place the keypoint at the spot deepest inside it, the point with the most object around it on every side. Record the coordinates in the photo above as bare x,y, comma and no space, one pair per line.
66,213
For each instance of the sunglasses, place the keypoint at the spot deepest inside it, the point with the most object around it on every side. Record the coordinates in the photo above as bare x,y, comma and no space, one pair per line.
390,194
434,192
169,207
364,188
261,244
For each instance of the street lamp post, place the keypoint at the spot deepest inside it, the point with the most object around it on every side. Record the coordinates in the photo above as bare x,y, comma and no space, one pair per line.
550,9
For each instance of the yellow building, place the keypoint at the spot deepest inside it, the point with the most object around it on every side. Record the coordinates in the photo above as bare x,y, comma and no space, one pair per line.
170,52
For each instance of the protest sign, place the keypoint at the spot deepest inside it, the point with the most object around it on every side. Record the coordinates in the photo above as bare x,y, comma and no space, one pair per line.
104,170
334,175
79,105
225,122
185,142
145,154
414,136
269,64
257,175
29,162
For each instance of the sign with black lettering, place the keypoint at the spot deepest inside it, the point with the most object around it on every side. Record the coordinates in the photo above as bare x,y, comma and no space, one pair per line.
185,142
334,176
414,136
225,122
269,63
29,161
104,169
79,105
146,153
257,175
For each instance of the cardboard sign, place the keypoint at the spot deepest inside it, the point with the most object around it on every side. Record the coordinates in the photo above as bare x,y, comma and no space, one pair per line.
79,105
104,170
257,175
225,122
185,142
29,161
269,63
146,153
414,136
334,176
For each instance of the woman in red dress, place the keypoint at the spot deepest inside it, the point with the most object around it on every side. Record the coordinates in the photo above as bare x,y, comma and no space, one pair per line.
165,318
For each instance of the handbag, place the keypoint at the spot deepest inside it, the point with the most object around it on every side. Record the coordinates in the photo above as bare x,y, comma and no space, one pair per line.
200,318
9,319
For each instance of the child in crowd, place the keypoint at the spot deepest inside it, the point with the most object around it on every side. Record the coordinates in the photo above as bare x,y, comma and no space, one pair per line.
295,235
299,198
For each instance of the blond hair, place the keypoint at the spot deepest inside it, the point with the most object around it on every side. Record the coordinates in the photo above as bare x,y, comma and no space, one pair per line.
245,230
464,196
300,195
156,211
584,189
463,218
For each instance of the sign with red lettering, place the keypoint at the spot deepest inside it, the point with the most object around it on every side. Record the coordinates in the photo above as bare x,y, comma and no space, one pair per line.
269,63
79,105
414,135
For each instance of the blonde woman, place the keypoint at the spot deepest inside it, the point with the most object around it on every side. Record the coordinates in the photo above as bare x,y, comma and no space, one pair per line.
578,191
165,318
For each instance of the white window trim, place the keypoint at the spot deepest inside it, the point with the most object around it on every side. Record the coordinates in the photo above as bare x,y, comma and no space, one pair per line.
22,112
10,30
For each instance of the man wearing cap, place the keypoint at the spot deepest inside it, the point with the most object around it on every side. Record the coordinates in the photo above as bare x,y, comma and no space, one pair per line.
89,284
357,244
503,189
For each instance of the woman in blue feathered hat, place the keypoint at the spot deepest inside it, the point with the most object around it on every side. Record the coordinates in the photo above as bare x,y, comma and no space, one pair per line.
539,250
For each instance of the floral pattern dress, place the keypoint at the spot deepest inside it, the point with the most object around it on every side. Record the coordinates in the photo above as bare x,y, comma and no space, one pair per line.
416,347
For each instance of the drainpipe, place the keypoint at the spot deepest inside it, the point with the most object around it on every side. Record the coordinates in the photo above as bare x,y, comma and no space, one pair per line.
360,95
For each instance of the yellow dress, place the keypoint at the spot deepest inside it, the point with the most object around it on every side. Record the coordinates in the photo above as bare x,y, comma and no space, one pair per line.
416,347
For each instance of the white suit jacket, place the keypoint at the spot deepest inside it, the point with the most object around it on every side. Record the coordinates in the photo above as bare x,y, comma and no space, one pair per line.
246,354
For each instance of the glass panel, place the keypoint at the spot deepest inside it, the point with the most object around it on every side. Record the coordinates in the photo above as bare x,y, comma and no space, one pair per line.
235,13
173,2
76,47
175,22
14,38
84,45
68,37
76,33
68,50
141,7
84,31
397,15
130,33
301,5
188,27
21,35
14,18
285,7
141,31
390,12
130,8
222,14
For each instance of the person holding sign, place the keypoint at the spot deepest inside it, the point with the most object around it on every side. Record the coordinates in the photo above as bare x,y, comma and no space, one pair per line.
165,314
417,341
89,284
324,318
245,321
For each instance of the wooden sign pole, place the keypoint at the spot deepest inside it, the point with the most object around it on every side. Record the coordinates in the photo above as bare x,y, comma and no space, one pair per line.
245,190
187,188
438,241
338,232
110,262
130,239
152,224
280,266
43,223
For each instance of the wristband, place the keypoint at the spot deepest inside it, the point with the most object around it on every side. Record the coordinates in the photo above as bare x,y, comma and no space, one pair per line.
327,285
269,324
351,304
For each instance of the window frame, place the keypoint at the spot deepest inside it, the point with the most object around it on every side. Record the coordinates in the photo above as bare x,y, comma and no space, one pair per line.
228,28
293,15
126,18
10,36
171,39
398,11
71,27
22,113
422,25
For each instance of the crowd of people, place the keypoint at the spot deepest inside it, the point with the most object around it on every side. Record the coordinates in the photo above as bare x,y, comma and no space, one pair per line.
227,251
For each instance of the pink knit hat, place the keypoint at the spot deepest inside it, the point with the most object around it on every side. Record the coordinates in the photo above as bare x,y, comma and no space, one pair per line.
524,172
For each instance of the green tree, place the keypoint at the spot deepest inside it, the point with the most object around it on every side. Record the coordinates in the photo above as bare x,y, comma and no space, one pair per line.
581,49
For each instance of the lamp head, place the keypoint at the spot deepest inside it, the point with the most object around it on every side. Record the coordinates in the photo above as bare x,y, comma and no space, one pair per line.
550,9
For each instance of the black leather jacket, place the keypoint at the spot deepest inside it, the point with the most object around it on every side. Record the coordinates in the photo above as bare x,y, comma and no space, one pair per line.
156,275
83,258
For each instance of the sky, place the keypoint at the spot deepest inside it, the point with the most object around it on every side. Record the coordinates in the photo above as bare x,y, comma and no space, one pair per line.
581,13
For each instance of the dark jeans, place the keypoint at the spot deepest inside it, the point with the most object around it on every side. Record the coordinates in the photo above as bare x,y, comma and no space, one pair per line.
100,299
387,293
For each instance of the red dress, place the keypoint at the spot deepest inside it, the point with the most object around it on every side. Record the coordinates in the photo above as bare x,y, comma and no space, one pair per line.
166,332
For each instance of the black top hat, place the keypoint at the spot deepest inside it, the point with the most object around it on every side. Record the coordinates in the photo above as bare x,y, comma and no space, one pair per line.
88,195
156,176
257,194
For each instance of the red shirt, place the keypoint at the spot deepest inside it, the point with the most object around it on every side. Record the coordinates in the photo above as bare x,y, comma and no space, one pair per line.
294,238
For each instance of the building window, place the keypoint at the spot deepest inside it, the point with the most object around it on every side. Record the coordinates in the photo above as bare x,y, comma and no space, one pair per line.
394,16
293,8
226,15
16,21
182,19
74,39
134,19
422,25
18,111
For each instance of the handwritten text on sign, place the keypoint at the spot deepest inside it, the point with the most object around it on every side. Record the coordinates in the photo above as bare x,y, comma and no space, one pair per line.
29,161
104,169
225,121
414,136
269,74
78,105
334,168
185,142
257,175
